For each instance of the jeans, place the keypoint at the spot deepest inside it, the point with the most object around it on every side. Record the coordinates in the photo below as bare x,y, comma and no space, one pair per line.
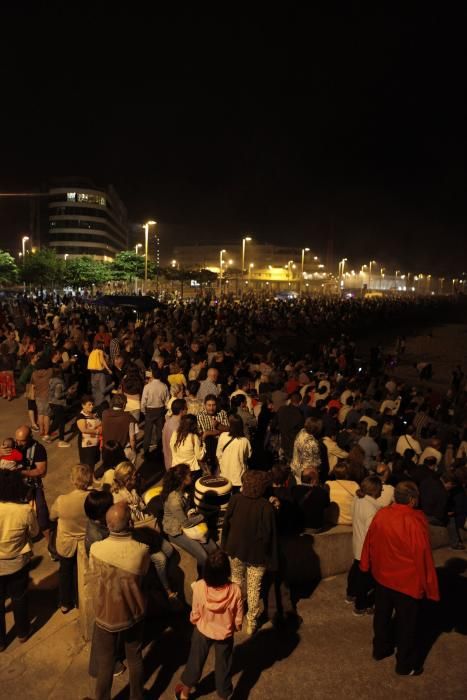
254,576
199,651
105,646
197,550
387,601
359,584
15,586
159,559
154,419
98,387
59,416
66,581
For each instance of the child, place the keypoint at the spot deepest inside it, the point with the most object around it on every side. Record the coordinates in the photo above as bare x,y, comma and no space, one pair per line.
10,461
217,612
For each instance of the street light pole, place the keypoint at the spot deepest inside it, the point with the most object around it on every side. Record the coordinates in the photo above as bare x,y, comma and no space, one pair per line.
138,245
245,240
221,263
23,241
146,237
304,250
372,262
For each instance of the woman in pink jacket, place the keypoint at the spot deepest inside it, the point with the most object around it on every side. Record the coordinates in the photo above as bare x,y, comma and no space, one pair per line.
217,612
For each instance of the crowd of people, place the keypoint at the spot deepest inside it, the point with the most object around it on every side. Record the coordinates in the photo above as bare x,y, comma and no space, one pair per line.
270,397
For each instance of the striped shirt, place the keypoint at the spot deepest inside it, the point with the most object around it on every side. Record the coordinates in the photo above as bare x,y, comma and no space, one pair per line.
207,422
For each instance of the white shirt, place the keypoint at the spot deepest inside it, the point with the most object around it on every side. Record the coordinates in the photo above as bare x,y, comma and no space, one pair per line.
190,451
407,442
392,405
387,496
430,452
363,511
233,459
334,452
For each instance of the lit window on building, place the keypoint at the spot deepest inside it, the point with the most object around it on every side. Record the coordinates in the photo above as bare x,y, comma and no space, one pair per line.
82,197
71,196
102,201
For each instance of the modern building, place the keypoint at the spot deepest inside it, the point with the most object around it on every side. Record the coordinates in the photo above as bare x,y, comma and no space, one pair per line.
86,220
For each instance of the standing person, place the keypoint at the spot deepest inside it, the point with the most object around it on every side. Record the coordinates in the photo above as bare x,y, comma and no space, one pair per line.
186,445
216,612
306,451
120,426
98,368
397,553
342,491
57,401
155,396
233,452
211,424
25,380
68,510
90,429
18,525
117,567
34,469
171,425
249,538
209,386
364,509
194,405
40,380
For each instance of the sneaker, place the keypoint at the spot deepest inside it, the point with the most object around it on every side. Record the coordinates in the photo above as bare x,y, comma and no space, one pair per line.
413,672
350,599
63,443
35,428
357,612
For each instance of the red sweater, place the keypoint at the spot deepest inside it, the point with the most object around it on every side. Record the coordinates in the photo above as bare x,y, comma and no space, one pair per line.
397,550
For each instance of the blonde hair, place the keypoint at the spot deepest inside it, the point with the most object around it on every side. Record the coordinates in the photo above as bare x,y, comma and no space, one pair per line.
81,476
123,473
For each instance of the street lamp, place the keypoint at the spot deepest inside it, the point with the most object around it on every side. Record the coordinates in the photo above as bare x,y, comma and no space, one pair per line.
23,240
304,250
341,269
137,246
221,269
245,240
250,267
65,256
146,236
372,262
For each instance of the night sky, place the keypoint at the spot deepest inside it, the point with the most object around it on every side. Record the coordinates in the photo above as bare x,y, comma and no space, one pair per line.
300,127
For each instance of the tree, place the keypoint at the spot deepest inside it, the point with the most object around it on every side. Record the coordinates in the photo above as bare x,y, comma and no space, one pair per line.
84,272
8,268
43,268
127,265
204,276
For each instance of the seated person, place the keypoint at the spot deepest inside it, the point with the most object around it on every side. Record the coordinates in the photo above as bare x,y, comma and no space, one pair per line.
341,492
311,499
12,457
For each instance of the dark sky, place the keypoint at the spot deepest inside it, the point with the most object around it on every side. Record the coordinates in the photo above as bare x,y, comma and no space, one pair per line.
300,127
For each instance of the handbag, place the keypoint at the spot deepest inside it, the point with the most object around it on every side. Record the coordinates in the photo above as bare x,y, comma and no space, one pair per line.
197,532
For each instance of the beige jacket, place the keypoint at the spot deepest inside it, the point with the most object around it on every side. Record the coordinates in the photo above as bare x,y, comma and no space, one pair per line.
117,566
71,527
18,525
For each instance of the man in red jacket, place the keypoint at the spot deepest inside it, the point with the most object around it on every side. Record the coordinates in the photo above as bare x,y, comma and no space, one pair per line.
397,551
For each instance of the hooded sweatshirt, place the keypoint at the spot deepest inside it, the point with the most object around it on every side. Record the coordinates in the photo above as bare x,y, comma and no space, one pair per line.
217,612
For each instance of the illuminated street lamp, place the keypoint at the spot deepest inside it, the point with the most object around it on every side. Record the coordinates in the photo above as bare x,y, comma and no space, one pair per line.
23,241
65,256
221,269
372,262
304,250
245,240
137,246
250,267
146,237
341,270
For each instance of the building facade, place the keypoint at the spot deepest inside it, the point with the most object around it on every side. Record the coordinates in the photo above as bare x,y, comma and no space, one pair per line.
86,220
